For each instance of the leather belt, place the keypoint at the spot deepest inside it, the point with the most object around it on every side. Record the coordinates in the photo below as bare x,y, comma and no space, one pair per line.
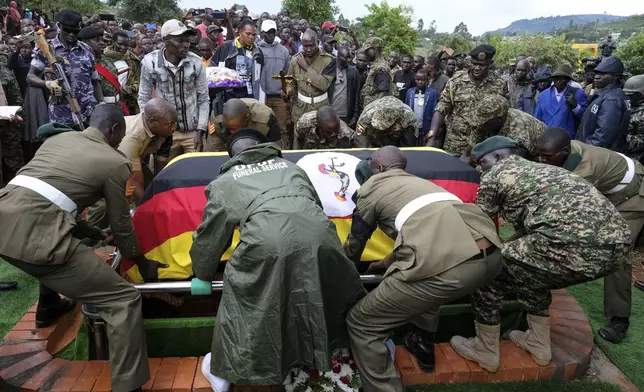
312,100
483,253
45,190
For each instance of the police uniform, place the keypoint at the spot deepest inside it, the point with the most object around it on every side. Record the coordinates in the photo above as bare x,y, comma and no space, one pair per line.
11,159
307,136
619,178
79,67
41,235
385,122
310,88
262,118
605,121
379,82
421,217
460,97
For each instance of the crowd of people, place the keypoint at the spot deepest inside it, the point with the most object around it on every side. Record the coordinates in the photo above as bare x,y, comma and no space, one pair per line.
561,161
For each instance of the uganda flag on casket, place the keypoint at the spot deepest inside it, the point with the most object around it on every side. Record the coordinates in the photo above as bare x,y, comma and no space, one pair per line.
173,204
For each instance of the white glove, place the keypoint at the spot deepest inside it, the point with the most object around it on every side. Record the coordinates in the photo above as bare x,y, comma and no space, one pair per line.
52,85
218,384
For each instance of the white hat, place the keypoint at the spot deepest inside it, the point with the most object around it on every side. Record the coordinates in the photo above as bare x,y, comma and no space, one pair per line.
268,25
174,27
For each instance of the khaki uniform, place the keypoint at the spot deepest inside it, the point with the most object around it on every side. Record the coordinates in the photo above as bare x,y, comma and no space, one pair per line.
138,143
43,239
422,218
308,138
605,169
311,84
262,119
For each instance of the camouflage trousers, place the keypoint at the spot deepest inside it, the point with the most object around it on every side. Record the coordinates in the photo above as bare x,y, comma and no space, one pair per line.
11,159
533,266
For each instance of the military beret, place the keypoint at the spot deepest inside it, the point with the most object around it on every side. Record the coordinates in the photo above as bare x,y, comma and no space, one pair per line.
489,107
373,42
492,144
90,32
483,53
69,19
245,133
611,65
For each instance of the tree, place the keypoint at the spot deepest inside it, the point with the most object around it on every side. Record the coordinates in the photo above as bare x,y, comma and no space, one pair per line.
632,54
461,29
392,24
455,41
342,21
156,11
314,11
50,7
421,24
545,49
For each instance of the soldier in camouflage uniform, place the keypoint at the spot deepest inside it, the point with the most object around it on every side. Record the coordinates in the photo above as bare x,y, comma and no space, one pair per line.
10,133
79,66
567,233
379,81
322,130
462,93
634,89
493,115
385,122
313,74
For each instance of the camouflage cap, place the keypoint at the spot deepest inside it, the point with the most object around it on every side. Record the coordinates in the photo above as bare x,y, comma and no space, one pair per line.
491,106
386,111
373,42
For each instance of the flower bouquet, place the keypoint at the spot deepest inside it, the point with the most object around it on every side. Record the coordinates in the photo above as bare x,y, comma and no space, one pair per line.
343,376
219,77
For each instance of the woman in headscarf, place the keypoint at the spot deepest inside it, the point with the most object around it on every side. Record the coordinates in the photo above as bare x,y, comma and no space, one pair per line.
12,20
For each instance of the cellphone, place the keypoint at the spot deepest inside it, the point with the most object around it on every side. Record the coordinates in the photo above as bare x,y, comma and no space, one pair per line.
342,28
106,17
219,15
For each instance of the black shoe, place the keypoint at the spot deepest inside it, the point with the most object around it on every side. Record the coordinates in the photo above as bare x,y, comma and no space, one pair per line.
615,331
422,347
47,316
639,284
8,285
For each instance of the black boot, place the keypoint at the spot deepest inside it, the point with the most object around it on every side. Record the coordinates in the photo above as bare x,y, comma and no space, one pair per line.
639,284
8,285
616,329
51,307
421,344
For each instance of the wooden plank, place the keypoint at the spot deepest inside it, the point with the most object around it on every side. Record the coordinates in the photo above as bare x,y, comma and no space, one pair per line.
88,377
185,375
45,375
165,376
69,377
155,363
28,363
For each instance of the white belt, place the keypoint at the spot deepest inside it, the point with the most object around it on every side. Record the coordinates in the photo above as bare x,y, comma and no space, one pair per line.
45,190
113,99
420,202
628,177
312,100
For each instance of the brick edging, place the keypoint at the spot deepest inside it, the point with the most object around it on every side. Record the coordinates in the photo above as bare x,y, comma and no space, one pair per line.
26,359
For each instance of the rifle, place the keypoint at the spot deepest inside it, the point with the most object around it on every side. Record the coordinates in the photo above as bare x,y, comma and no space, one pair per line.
285,80
57,69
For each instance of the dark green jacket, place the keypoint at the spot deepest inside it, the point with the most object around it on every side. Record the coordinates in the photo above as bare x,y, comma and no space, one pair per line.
288,285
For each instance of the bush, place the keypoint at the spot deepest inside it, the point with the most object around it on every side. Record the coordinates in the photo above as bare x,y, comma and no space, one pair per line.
632,54
545,49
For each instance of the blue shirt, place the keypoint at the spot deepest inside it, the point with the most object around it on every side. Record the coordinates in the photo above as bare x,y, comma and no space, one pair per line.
80,69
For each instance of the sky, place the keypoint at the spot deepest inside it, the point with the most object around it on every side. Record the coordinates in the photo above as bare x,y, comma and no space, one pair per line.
479,15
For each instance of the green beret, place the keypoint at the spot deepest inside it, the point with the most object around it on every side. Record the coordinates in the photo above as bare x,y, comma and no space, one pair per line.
489,107
492,144
373,42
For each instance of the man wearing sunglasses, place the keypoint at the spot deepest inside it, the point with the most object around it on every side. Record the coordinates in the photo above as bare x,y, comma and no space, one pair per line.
79,67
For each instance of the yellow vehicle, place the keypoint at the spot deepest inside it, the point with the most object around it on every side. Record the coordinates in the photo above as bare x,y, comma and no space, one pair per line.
582,47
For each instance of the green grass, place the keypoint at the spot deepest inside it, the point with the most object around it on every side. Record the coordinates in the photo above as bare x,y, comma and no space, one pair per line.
533,386
628,356
15,303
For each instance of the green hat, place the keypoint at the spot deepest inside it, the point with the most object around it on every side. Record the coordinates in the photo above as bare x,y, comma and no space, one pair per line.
634,85
564,70
492,144
373,42
489,107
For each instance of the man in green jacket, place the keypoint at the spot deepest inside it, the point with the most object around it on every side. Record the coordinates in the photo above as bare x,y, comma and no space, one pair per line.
288,285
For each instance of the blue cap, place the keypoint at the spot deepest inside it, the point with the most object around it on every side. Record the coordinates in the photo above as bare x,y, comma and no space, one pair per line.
611,65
